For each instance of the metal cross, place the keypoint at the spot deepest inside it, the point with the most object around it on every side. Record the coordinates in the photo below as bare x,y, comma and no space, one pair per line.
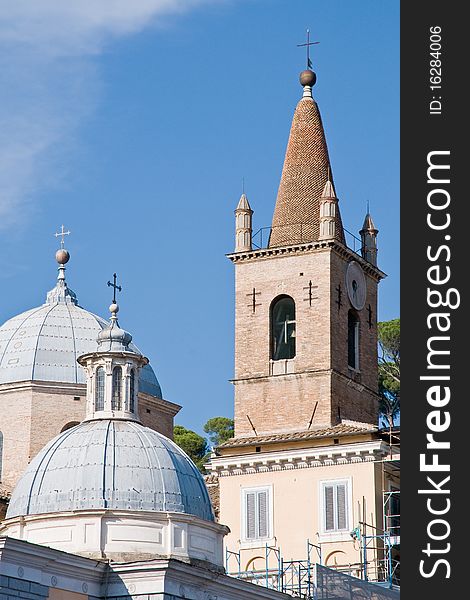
62,233
340,294
310,289
253,302
308,44
115,286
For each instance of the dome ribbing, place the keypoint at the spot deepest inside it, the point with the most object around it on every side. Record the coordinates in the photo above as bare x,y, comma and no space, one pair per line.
111,464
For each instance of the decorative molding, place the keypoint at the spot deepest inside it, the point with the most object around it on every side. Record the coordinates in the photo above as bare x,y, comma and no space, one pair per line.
39,563
285,460
79,389
340,249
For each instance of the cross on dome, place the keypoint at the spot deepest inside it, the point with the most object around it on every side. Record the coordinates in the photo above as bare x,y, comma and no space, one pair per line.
62,233
115,287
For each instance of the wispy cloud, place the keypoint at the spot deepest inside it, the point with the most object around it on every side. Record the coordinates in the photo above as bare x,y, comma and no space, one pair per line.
50,82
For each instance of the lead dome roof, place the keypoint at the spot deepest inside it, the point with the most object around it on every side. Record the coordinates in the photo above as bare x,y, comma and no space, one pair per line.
43,344
111,464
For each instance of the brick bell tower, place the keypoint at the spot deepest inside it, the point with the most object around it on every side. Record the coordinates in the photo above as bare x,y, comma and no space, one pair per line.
305,305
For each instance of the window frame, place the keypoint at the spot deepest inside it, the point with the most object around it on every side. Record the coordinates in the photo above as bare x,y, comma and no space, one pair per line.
335,534
255,542
100,369
357,341
132,387
272,336
116,402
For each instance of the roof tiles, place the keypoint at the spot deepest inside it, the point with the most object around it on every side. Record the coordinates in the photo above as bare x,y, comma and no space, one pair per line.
306,170
336,431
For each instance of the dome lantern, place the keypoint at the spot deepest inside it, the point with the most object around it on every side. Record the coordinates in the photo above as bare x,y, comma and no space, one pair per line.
112,372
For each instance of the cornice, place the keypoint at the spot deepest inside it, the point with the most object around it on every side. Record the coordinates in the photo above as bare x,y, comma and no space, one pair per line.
79,389
284,460
337,247
164,405
153,516
44,565
49,387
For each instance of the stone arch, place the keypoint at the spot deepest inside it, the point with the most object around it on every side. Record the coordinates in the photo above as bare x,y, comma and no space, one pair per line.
331,559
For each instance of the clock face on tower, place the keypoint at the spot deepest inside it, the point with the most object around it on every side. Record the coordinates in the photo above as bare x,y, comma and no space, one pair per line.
356,285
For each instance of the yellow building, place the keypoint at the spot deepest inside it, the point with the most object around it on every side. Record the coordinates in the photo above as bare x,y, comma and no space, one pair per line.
308,474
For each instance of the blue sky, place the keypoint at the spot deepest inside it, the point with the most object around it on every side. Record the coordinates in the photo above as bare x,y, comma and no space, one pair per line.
134,123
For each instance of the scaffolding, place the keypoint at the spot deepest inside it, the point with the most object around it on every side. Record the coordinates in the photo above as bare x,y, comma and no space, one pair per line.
293,577
378,547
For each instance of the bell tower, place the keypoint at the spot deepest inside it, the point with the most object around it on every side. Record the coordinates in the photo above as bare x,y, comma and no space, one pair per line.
305,305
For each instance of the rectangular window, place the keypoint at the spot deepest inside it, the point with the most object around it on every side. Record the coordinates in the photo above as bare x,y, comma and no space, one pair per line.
353,341
335,502
256,513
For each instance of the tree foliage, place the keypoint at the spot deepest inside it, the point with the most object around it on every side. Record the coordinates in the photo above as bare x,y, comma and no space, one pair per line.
389,370
220,429
192,443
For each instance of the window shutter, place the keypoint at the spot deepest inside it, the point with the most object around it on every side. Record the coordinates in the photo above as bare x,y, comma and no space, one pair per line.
329,508
250,515
262,514
341,506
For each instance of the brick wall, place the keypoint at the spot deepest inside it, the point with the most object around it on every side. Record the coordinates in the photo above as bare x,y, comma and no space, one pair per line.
13,589
318,378
51,410
156,417
15,424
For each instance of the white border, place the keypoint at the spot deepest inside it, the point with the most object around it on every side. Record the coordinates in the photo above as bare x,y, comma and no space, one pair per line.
259,542
335,536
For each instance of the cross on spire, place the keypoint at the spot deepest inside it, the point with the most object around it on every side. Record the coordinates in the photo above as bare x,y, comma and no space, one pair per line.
115,286
62,233
308,44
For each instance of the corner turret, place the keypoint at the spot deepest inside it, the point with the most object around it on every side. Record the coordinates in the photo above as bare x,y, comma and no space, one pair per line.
243,225
369,240
328,211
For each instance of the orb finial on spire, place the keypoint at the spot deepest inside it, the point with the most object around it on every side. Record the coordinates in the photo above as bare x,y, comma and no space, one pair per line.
62,256
61,292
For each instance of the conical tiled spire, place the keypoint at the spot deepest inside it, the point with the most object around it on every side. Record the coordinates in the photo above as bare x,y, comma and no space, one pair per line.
306,169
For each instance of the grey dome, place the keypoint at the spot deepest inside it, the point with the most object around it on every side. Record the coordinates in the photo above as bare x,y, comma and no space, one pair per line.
111,464
43,344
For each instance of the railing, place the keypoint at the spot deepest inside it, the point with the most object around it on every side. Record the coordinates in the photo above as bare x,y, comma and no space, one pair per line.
299,233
